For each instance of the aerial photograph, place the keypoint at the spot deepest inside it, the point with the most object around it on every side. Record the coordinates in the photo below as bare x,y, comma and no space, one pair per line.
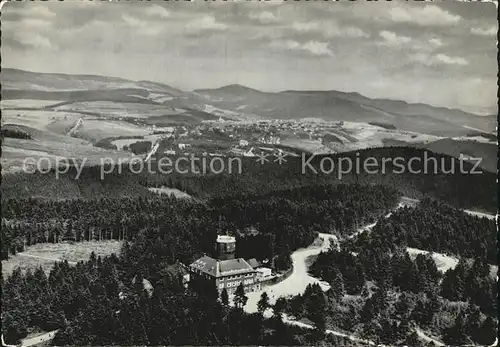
249,173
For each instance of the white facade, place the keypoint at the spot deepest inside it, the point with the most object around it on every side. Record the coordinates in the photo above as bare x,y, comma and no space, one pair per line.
263,273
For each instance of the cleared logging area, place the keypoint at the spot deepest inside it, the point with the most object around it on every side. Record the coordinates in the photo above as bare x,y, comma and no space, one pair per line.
45,254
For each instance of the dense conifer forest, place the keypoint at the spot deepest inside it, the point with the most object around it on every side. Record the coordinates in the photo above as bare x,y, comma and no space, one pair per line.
377,290
463,190
435,226
381,292
159,233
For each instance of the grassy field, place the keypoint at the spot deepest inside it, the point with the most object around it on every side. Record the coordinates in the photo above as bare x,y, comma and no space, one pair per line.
115,109
28,103
45,254
94,130
39,119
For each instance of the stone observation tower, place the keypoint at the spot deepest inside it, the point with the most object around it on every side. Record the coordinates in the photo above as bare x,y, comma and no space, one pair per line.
225,247
225,271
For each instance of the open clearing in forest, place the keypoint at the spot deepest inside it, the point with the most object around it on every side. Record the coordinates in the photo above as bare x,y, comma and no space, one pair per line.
45,254
170,191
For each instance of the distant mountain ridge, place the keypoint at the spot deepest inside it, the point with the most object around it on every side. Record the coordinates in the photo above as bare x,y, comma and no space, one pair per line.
238,101
336,105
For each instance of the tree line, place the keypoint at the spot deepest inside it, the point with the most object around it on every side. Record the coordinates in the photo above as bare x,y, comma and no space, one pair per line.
458,189
435,226
380,291
103,301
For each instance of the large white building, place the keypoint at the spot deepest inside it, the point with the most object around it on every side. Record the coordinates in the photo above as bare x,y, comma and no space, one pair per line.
225,271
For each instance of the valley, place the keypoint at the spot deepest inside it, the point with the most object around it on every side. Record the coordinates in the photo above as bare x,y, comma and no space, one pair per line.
98,117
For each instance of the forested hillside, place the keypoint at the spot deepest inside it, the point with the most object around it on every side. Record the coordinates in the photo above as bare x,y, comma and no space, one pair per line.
379,291
286,209
323,208
95,303
464,190
435,226
158,233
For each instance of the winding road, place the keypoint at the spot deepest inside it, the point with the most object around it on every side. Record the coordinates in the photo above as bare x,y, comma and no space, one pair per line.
38,339
296,284
298,280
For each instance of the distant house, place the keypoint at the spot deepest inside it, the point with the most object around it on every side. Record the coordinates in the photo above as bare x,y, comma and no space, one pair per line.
183,145
248,231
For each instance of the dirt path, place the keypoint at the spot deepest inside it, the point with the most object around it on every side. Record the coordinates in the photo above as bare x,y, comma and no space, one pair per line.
412,202
31,341
75,127
329,332
371,225
480,214
152,151
427,338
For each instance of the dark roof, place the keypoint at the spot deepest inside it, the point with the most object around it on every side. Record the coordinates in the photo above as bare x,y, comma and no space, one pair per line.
206,264
219,268
233,266
253,263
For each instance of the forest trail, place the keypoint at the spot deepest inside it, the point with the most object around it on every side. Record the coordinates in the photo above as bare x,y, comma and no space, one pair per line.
410,201
427,338
370,226
481,214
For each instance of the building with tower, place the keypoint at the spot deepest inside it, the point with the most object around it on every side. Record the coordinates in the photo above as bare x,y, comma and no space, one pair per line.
225,271
225,247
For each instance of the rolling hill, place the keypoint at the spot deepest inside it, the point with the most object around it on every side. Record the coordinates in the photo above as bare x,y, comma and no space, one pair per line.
240,102
335,106
49,105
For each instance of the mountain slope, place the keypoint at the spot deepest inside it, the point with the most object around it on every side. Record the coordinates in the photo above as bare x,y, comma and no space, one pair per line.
336,106
240,102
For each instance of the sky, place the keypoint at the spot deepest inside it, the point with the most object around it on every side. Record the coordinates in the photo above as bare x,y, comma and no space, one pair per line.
443,54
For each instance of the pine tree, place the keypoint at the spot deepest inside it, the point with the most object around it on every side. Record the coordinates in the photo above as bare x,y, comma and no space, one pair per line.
224,297
338,286
263,303
488,332
240,299
456,335
279,307
365,292
413,340
452,286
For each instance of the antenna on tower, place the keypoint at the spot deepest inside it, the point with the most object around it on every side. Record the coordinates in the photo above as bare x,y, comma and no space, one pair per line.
220,223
